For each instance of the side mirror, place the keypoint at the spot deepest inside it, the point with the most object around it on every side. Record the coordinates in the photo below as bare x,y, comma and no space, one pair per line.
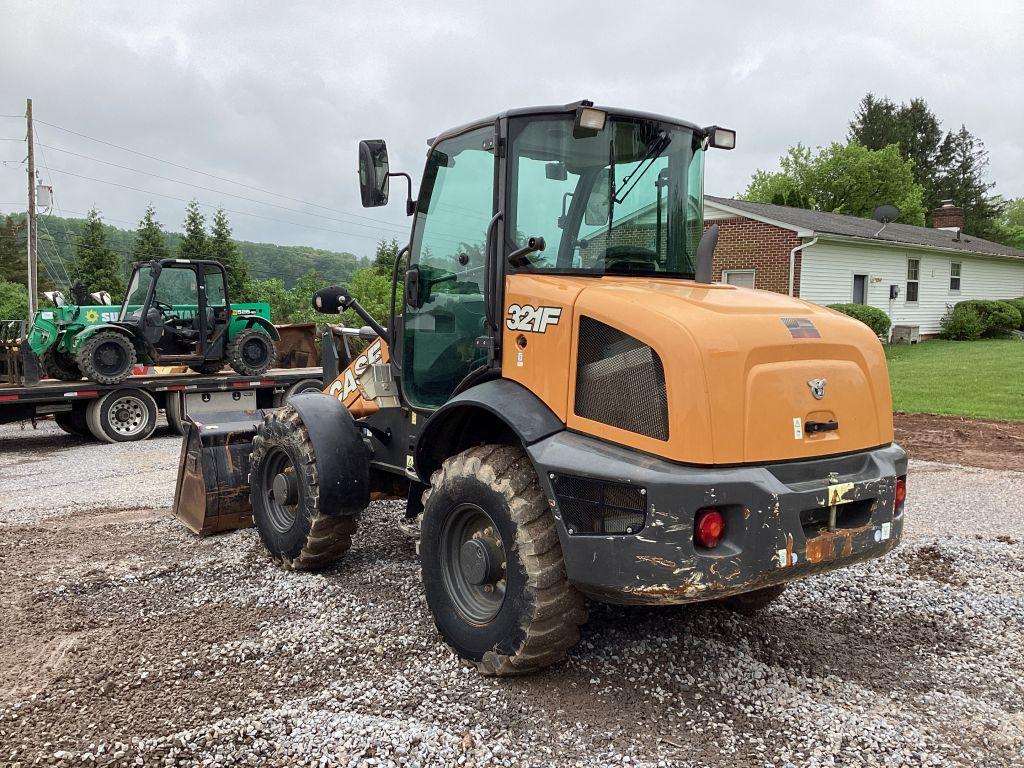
705,254
373,172
332,300
598,206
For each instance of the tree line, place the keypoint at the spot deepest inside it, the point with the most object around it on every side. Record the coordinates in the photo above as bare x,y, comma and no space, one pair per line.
895,154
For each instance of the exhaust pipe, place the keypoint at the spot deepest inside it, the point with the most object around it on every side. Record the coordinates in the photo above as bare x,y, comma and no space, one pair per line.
705,254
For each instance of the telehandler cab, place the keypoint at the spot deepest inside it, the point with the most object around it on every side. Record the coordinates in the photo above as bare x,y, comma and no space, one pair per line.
572,407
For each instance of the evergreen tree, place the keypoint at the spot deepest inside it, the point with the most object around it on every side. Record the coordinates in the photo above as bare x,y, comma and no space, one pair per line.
97,267
384,260
193,243
149,238
964,161
13,254
225,250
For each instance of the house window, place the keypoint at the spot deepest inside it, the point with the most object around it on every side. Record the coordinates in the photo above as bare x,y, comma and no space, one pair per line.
744,278
913,274
954,276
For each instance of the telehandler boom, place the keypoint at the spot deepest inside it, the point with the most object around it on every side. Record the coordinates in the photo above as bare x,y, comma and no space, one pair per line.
572,407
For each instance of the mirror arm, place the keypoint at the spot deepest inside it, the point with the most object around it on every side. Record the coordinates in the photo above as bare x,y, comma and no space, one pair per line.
410,204
492,270
348,302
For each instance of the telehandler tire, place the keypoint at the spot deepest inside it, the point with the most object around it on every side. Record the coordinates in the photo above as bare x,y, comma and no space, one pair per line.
60,365
108,357
251,353
752,602
492,564
215,366
285,495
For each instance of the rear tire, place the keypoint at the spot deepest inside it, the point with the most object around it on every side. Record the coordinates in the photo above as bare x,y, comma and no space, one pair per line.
122,416
485,509
73,422
297,533
251,352
60,365
305,385
752,602
174,411
107,357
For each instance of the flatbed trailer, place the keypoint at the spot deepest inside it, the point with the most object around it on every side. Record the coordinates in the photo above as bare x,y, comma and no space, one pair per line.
128,411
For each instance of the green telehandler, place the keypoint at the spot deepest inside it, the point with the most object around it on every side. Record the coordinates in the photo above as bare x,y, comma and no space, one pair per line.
175,312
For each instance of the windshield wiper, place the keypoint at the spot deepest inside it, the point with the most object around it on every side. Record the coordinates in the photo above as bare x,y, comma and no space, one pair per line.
656,149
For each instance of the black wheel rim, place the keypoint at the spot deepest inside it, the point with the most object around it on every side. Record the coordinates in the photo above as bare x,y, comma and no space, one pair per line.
282,507
473,563
254,352
110,358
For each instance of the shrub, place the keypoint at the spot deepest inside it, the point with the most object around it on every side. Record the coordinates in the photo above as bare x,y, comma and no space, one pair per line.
872,317
962,323
13,301
1019,304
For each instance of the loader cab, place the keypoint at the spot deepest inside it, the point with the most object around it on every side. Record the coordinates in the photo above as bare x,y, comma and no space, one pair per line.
567,190
178,309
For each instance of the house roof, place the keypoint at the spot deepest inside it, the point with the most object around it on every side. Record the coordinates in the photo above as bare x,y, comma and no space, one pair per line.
820,223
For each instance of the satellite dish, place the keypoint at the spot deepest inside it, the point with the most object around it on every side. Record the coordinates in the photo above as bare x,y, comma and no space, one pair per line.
885,214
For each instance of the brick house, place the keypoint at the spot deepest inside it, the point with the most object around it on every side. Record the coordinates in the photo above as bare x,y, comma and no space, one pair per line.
830,258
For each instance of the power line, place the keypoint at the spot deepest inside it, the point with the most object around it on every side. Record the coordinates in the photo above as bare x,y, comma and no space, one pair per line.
381,225
205,173
54,202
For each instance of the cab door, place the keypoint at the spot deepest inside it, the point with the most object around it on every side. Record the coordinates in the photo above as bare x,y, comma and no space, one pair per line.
444,299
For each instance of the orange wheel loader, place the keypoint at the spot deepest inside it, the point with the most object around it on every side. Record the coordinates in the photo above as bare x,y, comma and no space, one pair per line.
572,407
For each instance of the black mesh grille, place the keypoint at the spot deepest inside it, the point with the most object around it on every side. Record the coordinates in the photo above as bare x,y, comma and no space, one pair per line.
620,381
592,506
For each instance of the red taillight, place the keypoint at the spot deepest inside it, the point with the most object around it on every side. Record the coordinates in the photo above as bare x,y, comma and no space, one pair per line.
709,528
901,492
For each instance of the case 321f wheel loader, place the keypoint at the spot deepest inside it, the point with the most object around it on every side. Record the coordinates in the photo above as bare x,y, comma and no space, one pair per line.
572,407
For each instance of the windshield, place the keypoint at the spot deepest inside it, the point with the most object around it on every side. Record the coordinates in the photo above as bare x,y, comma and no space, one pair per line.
625,201
135,296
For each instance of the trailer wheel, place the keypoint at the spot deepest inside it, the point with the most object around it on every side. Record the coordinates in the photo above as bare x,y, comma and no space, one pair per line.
492,564
175,412
751,602
60,365
305,385
285,494
251,353
122,416
108,357
73,422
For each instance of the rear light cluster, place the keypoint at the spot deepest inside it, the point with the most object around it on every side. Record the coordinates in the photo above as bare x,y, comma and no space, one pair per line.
708,527
901,493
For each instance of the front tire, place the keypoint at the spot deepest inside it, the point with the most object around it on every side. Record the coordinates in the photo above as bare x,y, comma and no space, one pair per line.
122,416
285,495
751,602
216,366
251,352
107,357
60,365
492,564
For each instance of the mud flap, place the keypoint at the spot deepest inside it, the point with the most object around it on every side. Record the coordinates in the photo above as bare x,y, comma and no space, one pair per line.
212,494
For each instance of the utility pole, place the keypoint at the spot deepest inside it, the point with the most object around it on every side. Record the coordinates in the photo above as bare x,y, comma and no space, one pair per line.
33,288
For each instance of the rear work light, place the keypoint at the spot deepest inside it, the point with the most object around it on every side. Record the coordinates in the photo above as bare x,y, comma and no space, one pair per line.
901,493
709,527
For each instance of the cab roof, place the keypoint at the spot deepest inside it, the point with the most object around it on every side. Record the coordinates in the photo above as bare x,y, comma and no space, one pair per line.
563,109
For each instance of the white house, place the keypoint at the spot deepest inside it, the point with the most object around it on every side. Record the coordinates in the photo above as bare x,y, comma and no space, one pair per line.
913,273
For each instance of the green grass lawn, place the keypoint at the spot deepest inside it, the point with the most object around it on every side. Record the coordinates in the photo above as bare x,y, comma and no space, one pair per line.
983,379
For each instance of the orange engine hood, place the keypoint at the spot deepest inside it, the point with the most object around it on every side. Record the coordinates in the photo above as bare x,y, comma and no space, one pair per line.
742,367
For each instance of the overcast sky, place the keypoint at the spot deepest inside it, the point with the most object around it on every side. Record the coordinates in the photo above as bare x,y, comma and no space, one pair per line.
277,95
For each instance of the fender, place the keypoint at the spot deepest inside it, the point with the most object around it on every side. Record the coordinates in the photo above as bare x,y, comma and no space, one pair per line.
340,453
84,335
43,334
499,400
241,323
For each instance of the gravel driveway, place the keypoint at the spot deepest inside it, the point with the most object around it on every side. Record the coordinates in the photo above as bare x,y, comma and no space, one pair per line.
124,640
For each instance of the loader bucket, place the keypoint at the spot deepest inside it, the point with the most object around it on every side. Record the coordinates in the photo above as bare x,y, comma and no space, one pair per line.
18,363
212,494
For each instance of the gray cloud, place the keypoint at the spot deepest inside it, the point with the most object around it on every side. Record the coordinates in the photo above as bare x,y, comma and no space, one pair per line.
277,96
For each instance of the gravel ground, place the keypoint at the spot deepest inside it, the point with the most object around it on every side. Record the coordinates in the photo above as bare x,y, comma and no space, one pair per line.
124,640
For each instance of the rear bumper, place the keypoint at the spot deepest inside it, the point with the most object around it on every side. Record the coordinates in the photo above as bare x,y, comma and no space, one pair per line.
776,520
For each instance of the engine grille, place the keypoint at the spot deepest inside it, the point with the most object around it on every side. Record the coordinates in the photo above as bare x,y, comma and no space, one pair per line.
596,507
620,381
